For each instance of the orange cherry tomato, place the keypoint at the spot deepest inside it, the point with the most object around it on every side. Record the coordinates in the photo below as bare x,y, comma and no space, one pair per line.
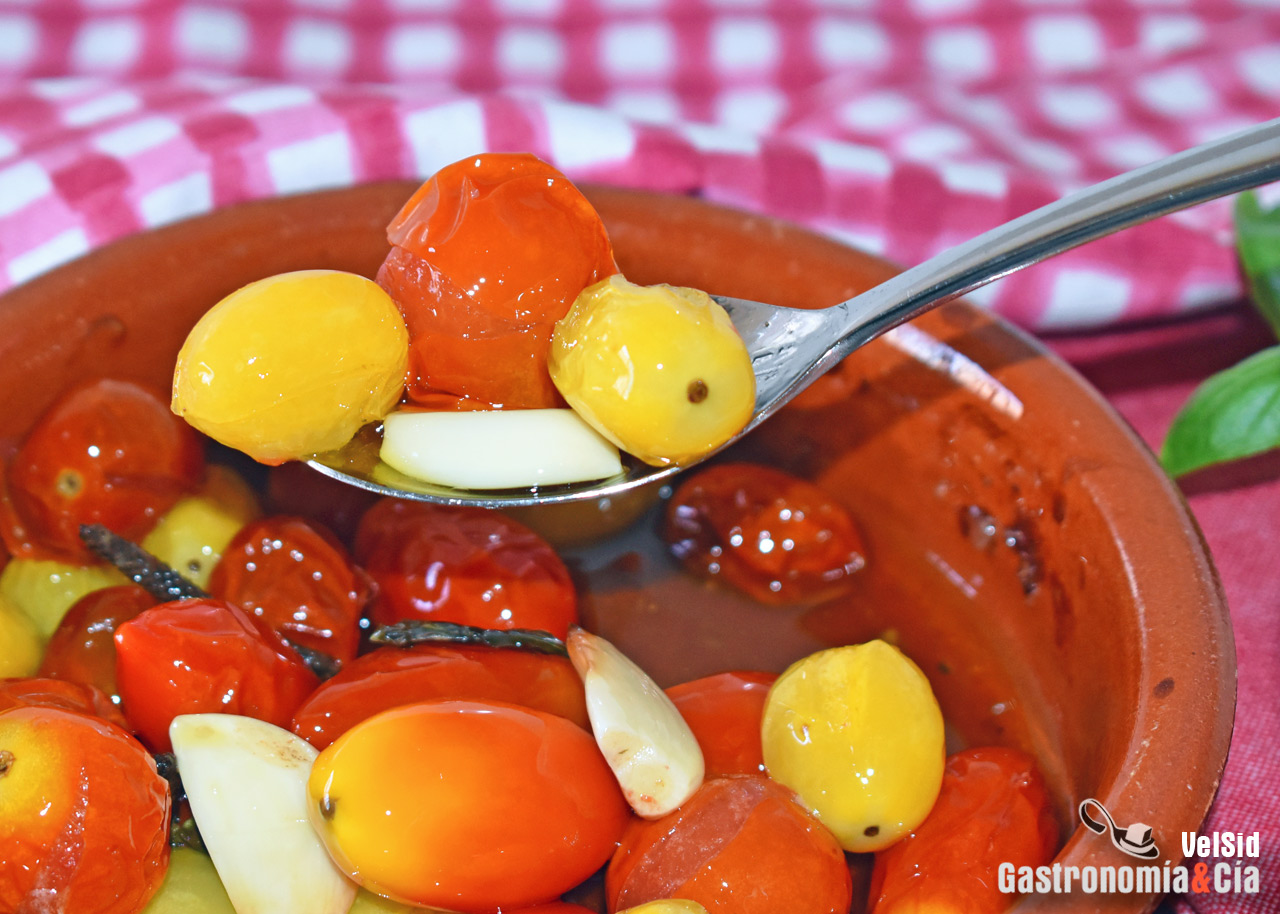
84,817
724,712
487,255
299,580
771,535
740,845
391,676
107,452
465,565
77,697
83,647
466,805
195,656
993,809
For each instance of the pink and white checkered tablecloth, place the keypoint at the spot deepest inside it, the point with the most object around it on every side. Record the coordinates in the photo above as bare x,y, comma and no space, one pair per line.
900,125
903,126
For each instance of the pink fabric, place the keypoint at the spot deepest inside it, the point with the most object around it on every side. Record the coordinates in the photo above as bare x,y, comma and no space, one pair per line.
901,125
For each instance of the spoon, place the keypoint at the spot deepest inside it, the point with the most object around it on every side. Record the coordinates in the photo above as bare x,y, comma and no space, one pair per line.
791,348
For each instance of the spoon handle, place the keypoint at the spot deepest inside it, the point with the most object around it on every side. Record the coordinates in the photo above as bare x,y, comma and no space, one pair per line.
1226,166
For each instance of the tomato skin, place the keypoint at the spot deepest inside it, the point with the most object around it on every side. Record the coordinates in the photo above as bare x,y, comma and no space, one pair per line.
299,580
107,452
993,808
740,845
391,676
83,647
296,490
465,565
466,805
193,656
487,255
767,533
45,692
84,817
724,712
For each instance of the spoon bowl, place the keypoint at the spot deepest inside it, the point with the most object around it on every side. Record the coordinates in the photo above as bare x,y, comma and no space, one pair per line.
790,348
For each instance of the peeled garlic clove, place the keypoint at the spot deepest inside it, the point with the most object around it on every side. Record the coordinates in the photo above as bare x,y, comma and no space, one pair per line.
645,741
246,783
497,449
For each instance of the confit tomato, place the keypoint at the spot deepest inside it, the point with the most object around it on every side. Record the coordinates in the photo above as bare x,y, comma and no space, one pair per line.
486,256
466,805
299,580
107,452
83,647
393,676
740,845
771,535
44,692
993,808
297,490
464,565
84,817
724,712
204,655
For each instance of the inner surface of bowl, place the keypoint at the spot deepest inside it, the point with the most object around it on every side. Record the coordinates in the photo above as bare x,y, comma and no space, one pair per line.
1027,554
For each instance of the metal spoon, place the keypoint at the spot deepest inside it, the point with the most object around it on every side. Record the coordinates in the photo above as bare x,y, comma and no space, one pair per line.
791,348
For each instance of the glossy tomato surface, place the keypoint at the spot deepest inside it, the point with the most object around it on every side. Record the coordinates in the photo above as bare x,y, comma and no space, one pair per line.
107,452
299,580
488,254
84,817
195,656
467,805
772,535
466,565
391,676
83,647
724,712
740,845
45,692
993,809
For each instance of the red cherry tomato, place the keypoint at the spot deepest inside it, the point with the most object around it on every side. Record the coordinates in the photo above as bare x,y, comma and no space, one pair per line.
299,491
195,656
83,647
107,452
740,845
392,676
299,580
84,818
776,538
724,712
487,255
464,565
467,805
993,809
44,692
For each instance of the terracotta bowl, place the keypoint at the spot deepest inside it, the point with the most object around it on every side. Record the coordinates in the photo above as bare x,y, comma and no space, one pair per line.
1039,567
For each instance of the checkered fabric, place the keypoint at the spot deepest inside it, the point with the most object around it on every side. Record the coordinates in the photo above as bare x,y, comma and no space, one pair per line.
903,126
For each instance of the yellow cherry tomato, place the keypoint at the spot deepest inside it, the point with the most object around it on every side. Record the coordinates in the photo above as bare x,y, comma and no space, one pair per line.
667,906
658,370
466,805
191,536
20,644
191,886
293,365
856,732
45,590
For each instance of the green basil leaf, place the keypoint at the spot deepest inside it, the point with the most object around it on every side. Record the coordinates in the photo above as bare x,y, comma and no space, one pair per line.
1234,414
1258,242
